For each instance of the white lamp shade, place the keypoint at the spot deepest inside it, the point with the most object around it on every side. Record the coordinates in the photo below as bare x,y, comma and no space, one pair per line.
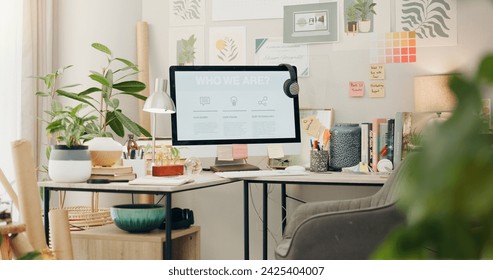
432,94
159,102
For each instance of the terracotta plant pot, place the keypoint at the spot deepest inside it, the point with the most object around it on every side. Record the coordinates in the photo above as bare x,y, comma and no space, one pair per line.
168,170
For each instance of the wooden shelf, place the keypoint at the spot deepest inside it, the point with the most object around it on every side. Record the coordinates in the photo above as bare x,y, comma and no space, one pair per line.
111,243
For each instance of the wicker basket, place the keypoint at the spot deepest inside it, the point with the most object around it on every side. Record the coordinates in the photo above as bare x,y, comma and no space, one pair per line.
84,217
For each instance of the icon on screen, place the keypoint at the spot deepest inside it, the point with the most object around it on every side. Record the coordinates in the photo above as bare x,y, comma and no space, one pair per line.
205,100
234,100
263,101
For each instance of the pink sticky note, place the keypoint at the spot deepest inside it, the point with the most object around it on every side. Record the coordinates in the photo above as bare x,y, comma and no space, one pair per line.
240,151
356,89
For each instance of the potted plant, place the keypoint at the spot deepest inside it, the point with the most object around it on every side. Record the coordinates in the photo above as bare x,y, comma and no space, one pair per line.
69,160
352,17
168,162
112,84
366,9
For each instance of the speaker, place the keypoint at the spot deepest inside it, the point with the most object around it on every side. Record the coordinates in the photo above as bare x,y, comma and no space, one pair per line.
291,87
180,218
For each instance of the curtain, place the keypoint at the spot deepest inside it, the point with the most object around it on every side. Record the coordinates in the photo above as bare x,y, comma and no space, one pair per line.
37,60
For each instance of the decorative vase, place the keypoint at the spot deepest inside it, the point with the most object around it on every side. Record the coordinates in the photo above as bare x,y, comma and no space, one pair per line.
364,26
104,151
345,145
69,164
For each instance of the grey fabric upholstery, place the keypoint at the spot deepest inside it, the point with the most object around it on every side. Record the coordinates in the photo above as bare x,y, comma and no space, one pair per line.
343,229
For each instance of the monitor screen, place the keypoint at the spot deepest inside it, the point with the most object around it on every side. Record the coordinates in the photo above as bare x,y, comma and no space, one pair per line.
232,105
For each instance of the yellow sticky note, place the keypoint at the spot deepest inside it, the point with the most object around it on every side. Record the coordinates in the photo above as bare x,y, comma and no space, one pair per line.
311,125
377,89
275,151
225,153
240,151
377,71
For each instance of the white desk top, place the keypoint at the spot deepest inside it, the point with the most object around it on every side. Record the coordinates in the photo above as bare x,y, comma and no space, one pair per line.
326,178
203,180
208,179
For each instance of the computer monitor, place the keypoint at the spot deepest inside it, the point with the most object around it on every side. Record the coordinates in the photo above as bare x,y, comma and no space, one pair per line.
223,105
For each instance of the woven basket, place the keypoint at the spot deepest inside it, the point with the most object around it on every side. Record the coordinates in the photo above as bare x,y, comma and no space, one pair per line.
84,217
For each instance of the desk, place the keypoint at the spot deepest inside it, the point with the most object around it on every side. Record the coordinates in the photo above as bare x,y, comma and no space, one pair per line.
205,180
328,178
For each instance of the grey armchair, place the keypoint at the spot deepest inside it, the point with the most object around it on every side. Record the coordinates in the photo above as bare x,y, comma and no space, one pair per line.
344,229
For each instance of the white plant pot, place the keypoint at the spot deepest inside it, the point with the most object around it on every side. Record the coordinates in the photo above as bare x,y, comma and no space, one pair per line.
104,151
364,26
69,165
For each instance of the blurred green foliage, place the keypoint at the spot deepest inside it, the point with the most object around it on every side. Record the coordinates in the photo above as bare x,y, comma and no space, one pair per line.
448,196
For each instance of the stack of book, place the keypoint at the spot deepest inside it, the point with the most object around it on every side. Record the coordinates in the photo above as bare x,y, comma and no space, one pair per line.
114,173
391,138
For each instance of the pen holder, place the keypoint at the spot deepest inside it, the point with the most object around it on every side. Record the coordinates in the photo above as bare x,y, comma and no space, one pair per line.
138,166
319,161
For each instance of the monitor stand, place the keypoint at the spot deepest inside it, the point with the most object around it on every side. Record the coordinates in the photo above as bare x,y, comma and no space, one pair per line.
235,165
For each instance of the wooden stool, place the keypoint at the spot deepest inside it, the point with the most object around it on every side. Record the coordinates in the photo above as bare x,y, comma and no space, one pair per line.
5,232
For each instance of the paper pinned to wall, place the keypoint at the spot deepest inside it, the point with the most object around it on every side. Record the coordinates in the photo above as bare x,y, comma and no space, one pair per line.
240,151
377,71
356,89
225,152
275,151
377,89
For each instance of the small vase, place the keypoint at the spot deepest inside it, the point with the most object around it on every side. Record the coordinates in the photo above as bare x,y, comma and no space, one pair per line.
69,164
345,146
104,151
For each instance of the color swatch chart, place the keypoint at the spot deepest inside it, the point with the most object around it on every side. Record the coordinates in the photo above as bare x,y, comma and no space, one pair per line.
394,47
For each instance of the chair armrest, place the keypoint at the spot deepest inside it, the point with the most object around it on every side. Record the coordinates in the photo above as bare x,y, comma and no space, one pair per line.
342,235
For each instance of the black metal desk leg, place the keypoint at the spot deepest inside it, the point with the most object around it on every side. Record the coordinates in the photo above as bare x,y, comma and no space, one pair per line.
168,241
46,210
246,222
265,222
283,206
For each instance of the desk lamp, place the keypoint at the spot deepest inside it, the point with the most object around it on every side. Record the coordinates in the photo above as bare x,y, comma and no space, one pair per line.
159,102
432,94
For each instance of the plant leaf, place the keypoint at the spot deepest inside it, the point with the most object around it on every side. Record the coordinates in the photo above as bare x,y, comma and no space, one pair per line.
136,95
102,48
130,86
76,97
99,78
115,124
128,123
128,63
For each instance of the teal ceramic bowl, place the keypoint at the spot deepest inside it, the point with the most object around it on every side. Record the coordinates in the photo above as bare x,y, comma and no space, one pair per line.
136,218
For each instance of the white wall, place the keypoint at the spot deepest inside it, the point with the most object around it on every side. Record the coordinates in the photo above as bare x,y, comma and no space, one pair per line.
219,210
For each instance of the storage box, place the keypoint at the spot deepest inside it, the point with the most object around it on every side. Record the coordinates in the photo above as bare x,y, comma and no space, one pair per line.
111,243
168,170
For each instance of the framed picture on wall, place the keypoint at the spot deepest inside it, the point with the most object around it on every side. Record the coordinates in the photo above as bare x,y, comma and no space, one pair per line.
311,23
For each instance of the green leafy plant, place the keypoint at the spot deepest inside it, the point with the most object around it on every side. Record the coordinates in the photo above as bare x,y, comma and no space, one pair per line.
68,126
64,124
112,85
352,14
447,197
365,8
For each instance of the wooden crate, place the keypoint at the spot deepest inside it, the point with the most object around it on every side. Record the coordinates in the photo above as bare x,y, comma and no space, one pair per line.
111,243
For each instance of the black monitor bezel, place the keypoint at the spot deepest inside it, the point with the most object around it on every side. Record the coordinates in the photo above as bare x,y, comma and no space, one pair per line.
174,133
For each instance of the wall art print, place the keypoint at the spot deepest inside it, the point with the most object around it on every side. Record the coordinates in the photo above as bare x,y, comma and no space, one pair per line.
186,45
433,21
186,12
227,45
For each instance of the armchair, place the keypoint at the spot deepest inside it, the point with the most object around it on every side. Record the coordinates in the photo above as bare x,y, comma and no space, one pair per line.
343,229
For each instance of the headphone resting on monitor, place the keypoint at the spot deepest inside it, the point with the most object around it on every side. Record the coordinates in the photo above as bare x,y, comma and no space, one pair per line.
291,87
